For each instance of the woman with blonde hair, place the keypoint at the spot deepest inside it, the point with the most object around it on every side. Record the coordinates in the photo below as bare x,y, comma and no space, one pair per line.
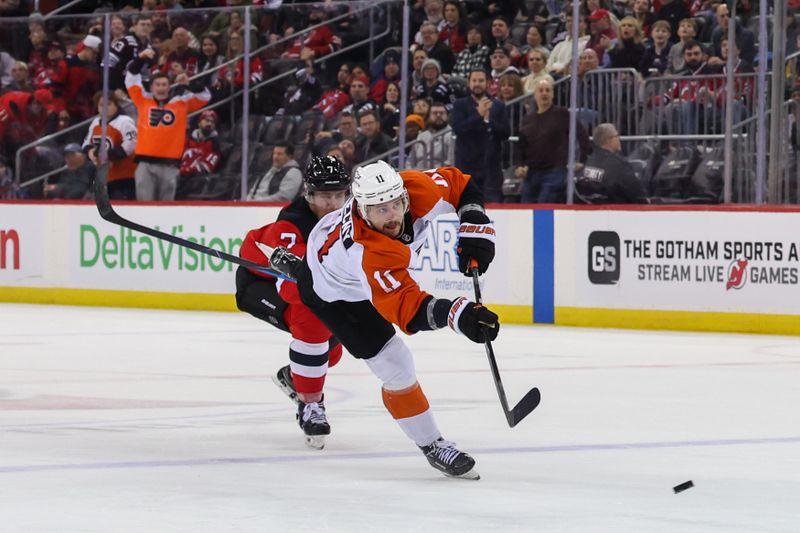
627,49
537,60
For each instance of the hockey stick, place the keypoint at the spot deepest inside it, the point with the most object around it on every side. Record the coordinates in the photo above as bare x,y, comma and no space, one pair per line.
531,400
108,213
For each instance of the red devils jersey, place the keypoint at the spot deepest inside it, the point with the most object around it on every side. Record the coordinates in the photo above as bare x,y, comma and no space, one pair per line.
291,231
350,261
201,155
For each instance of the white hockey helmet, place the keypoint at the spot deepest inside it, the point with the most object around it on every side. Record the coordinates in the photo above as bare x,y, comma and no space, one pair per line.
377,183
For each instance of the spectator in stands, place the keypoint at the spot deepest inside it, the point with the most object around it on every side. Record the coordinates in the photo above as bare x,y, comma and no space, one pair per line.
201,155
390,74
558,64
25,117
372,142
602,33
83,78
182,59
543,149
453,32
607,173
417,59
346,129
422,106
745,40
509,88
537,61
6,65
209,62
434,148
125,50
319,42
687,31
54,74
481,126
118,29
74,182
643,13
534,38
38,48
655,59
500,36
283,181
337,98
433,86
743,86
414,125
390,110
234,74
488,10
335,151
348,149
501,65
121,143
627,50
674,12
302,95
359,96
433,12
20,80
161,128
474,56
435,48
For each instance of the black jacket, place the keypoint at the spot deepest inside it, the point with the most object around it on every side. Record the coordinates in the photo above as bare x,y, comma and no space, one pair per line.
610,174
479,144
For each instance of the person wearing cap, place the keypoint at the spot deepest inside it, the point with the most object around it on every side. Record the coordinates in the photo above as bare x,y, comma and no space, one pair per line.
202,155
435,48
481,126
54,74
359,96
83,78
390,74
601,33
433,86
121,138
74,182
501,65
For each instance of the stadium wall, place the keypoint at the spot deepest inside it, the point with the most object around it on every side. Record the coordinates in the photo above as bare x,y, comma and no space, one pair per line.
710,269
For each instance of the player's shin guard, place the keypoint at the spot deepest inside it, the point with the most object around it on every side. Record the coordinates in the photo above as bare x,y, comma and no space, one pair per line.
309,365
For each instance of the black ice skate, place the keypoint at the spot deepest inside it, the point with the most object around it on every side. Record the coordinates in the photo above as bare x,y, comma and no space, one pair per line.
283,379
449,460
312,420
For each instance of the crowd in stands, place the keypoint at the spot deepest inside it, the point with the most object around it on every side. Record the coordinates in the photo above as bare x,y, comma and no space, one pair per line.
470,62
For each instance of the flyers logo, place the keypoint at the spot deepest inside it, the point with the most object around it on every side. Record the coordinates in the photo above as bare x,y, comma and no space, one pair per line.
333,236
736,277
158,116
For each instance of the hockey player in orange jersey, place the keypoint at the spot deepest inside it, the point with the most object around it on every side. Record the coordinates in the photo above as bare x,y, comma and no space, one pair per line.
355,278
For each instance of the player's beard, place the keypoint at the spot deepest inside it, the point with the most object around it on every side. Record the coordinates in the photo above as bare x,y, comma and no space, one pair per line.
393,228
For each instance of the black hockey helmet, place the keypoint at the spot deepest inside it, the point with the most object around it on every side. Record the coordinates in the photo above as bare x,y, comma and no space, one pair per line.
326,174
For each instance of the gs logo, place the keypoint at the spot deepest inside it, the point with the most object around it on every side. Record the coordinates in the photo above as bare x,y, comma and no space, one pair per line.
158,116
604,257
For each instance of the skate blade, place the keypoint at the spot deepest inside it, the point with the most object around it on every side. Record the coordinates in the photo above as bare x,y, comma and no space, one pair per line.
316,442
286,390
472,475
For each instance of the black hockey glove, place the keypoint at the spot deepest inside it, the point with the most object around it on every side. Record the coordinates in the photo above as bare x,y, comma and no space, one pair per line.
472,320
475,240
286,262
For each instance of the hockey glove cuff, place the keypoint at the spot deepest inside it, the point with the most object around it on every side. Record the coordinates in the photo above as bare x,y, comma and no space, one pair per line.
472,320
476,238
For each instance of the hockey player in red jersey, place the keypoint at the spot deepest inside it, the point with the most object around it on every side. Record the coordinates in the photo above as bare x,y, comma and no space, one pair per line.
355,277
312,348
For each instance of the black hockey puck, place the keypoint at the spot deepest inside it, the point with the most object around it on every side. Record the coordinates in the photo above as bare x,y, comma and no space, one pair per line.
683,486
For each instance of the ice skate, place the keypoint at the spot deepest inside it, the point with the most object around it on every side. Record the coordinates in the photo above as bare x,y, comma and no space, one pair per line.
449,460
283,379
312,420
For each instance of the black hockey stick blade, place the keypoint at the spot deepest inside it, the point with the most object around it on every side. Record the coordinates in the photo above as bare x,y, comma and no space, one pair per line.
107,212
531,400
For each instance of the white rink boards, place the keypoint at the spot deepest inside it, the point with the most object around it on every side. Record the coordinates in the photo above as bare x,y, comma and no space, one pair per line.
141,420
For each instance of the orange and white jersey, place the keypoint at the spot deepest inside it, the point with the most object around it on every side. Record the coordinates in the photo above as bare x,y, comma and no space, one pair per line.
121,132
350,261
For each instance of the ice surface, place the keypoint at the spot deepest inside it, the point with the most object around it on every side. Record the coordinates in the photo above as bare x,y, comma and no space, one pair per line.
156,421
